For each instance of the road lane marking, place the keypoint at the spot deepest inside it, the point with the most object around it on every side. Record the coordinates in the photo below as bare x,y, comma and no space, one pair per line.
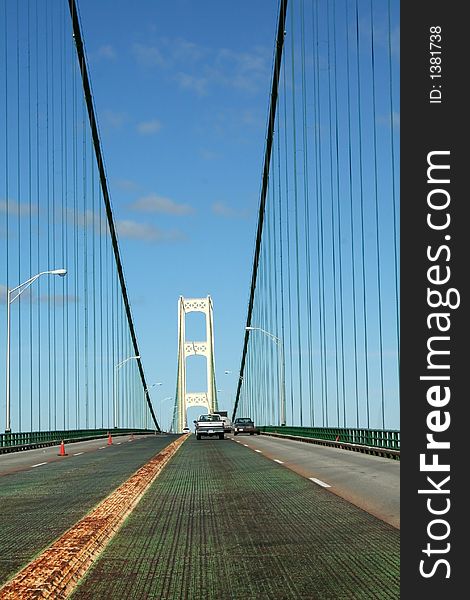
78,453
39,465
278,461
246,445
118,444
101,447
319,481
258,451
80,546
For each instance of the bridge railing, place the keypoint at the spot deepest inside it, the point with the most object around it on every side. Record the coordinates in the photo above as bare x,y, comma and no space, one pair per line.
23,440
374,438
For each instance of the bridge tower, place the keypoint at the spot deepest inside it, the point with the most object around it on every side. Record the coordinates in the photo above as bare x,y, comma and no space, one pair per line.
206,399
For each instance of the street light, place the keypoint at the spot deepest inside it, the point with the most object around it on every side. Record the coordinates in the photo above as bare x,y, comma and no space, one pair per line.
151,386
282,390
19,289
116,370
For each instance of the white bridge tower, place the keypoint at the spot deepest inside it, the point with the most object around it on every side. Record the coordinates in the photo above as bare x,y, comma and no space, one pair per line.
206,399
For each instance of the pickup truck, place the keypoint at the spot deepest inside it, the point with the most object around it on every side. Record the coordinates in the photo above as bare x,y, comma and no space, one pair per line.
210,425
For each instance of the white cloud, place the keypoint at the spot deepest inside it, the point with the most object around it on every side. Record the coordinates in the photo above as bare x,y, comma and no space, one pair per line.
87,219
195,84
57,299
148,56
184,51
385,119
146,232
159,204
28,293
199,68
114,120
127,185
17,209
149,127
223,210
106,51
243,70
125,228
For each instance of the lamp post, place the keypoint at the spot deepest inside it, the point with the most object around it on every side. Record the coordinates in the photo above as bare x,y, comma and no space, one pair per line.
282,383
116,370
11,297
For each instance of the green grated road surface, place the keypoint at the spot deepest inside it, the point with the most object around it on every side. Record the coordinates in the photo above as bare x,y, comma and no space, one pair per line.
224,522
38,505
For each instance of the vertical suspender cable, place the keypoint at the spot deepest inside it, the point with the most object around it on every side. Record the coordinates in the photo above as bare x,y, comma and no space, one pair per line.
85,265
377,218
361,173
104,187
275,307
288,245
331,67
93,285
78,294
65,306
351,207
297,224
48,213
53,227
319,215
30,218
307,220
7,149
38,237
19,192
267,159
394,194
338,211
281,247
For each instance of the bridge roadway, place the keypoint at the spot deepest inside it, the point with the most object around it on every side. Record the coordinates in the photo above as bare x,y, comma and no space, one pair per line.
220,521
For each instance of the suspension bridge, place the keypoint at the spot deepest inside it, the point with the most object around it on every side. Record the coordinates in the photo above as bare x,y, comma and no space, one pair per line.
319,362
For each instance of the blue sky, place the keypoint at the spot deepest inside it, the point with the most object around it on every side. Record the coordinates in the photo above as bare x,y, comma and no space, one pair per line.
181,93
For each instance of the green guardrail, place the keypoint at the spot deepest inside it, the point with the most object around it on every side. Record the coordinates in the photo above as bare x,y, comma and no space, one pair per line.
32,438
374,438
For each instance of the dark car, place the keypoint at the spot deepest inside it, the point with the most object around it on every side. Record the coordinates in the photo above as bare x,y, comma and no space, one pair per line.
244,425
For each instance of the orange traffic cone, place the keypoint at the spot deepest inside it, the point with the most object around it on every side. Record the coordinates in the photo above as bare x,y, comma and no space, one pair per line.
110,439
62,449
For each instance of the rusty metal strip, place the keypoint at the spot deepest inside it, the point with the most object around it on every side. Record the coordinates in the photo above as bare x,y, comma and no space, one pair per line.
56,572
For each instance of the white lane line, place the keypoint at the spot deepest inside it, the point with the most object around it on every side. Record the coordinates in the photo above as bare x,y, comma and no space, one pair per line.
246,445
118,444
78,453
319,481
258,451
278,461
101,447
39,465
